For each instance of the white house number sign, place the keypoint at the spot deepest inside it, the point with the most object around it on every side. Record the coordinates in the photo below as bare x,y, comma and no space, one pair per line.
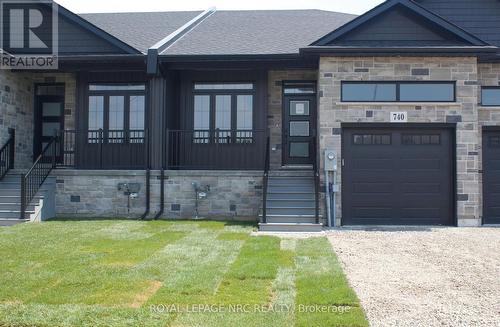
399,117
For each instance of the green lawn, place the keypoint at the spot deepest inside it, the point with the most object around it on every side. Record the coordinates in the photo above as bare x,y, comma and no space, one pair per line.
131,273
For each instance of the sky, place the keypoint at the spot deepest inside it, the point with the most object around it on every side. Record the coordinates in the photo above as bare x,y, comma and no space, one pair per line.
91,6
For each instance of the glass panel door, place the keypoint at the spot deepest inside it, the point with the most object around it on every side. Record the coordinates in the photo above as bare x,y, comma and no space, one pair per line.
299,129
49,122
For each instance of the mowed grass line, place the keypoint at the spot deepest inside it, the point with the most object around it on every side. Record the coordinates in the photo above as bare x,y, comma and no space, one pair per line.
261,278
111,273
321,283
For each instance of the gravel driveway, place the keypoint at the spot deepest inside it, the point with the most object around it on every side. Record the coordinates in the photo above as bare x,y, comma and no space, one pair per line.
432,277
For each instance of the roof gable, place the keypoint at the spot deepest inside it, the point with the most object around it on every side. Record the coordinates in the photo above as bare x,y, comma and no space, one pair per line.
399,23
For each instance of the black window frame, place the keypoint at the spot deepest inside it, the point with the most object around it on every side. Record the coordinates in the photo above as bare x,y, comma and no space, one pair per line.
489,88
129,136
398,93
244,136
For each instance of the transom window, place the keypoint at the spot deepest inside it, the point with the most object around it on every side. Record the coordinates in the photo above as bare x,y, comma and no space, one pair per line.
223,112
490,96
116,113
398,91
299,87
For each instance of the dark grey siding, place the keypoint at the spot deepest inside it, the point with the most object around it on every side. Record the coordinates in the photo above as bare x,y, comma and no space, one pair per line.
157,100
74,39
479,17
399,27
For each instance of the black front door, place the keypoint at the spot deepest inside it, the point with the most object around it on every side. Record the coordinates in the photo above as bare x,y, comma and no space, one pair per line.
49,120
299,129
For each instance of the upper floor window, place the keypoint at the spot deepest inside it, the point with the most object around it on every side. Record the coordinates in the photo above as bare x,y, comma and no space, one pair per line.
116,113
490,96
398,92
223,112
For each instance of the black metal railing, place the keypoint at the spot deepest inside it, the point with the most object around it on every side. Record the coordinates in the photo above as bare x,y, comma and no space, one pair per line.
316,179
215,149
7,153
101,149
265,181
38,173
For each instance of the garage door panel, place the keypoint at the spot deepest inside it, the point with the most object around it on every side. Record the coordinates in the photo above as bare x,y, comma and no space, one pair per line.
421,213
421,164
408,182
421,188
379,164
491,177
371,213
374,187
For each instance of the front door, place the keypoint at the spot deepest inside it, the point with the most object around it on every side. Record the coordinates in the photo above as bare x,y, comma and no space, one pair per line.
49,119
299,129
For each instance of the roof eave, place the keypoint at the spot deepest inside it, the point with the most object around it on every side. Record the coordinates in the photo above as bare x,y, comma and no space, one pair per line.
399,51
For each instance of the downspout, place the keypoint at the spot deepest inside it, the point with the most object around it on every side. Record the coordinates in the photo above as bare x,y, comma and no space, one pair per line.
162,171
148,177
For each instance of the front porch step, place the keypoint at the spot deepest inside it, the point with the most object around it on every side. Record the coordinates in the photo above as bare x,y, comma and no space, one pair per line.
287,181
291,173
290,190
289,203
291,227
290,196
10,192
16,206
11,222
292,211
14,214
15,198
290,219
10,185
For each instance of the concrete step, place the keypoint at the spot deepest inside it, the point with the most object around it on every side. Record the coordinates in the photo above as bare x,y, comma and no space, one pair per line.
290,227
291,196
287,203
298,212
11,222
291,190
14,214
15,198
11,192
290,181
15,206
10,185
291,173
290,219
11,178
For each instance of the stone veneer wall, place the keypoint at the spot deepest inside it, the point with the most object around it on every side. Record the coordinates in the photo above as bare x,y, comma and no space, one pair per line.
17,108
275,106
16,111
464,112
233,194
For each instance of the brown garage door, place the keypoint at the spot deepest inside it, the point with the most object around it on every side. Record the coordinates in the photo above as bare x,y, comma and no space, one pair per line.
397,176
491,177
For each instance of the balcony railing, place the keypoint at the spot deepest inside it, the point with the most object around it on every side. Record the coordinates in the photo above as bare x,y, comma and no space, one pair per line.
216,149
184,149
99,149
